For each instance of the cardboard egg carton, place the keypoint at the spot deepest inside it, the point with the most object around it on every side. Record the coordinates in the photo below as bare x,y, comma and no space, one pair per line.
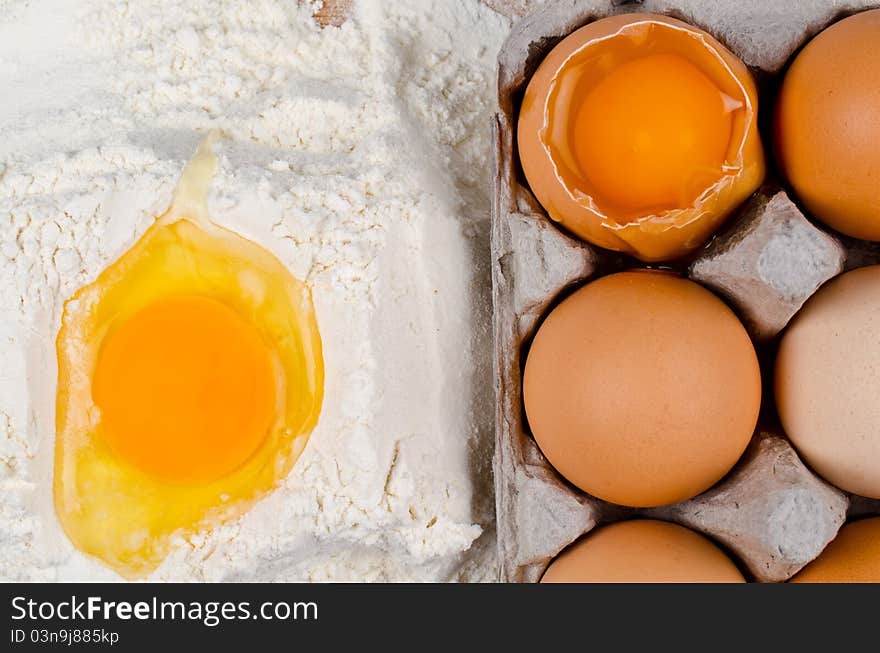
771,513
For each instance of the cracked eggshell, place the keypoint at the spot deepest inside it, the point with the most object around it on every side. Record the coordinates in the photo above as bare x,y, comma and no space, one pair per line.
571,195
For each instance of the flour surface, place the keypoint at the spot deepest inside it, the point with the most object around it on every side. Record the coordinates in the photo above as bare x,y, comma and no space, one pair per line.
360,156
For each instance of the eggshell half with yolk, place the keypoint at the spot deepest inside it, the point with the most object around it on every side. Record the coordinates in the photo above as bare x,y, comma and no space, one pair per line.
638,133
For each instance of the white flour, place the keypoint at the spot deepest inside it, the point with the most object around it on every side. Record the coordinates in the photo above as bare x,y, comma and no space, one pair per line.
358,155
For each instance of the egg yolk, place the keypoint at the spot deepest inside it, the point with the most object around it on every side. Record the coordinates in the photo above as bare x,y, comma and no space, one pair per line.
652,135
186,389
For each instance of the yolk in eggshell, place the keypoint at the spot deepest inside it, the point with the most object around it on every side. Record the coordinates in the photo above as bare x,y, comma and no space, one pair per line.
638,133
642,155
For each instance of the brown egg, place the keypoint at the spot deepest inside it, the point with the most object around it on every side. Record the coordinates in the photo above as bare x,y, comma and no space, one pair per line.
828,126
828,381
642,551
853,556
642,388
639,134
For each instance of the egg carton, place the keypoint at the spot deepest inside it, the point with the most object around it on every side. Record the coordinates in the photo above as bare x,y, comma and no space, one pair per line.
770,512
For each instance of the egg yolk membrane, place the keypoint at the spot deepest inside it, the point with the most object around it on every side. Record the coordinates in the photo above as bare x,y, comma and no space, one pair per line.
186,389
640,155
190,376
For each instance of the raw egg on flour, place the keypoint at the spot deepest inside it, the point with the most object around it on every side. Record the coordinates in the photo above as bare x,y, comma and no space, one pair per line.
639,134
190,376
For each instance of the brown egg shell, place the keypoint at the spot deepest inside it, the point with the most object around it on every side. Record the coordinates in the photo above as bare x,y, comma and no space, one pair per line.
827,126
604,403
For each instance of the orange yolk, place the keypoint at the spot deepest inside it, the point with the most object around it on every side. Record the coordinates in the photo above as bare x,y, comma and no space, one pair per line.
652,135
186,389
